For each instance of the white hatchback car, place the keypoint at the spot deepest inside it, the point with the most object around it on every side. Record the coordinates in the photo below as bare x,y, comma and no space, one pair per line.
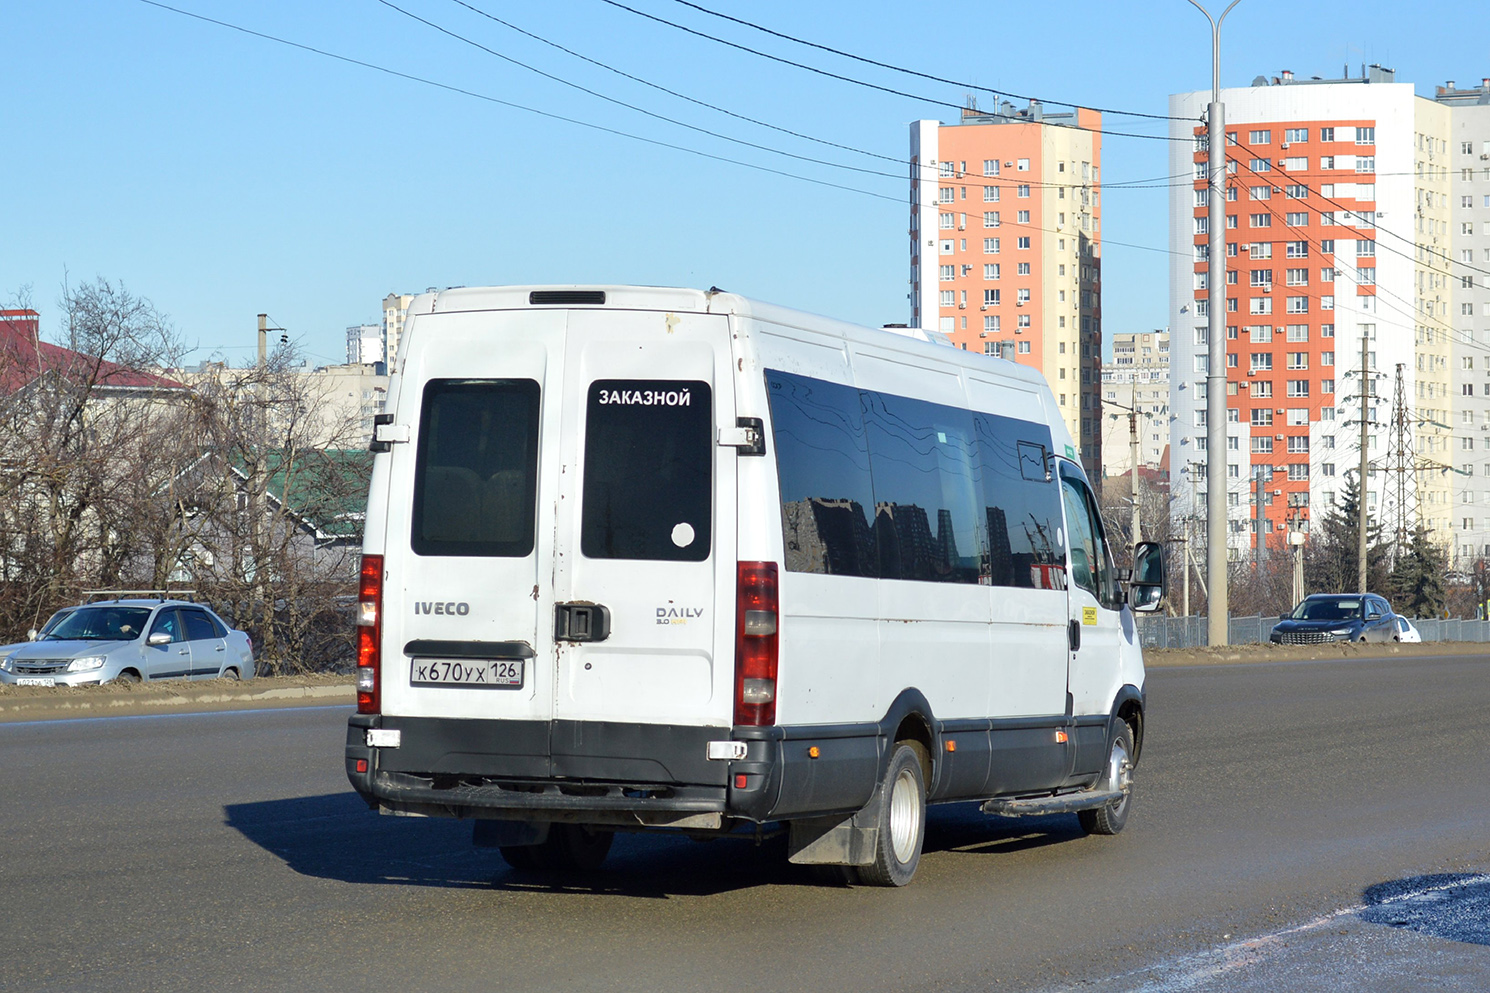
1405,632
131,641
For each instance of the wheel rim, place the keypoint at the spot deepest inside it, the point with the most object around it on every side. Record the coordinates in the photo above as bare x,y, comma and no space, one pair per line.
905,816
1119,774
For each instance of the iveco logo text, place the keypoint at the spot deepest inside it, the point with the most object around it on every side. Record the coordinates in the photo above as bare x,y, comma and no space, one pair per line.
647,398
678,615
448,607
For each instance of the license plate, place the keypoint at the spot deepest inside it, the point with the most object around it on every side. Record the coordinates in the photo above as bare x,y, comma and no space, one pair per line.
36,681
505,674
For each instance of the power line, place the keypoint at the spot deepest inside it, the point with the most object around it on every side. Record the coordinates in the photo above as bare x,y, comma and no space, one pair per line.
913,72
868,85
514,106
675,93
630,106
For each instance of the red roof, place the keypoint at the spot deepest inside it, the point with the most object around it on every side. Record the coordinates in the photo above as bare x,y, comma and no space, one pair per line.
24,357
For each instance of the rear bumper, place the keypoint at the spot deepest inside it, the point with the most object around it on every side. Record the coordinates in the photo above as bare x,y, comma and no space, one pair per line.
605,772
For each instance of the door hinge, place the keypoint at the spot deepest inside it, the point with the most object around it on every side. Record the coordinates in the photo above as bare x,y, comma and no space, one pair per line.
748,435
386,434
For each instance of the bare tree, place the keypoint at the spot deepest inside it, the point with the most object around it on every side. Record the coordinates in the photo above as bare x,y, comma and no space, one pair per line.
83,428
286,511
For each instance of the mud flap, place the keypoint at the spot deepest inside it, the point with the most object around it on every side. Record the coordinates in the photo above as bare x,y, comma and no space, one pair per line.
836,841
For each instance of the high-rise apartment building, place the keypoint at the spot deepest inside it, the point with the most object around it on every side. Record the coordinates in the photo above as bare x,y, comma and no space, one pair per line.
395,311
1136,379
1338,244
365,344
1005,238
1469,278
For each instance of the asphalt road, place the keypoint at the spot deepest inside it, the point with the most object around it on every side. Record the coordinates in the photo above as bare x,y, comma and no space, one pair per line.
1297,826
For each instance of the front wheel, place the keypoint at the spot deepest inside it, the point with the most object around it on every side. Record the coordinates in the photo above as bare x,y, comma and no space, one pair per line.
902,820
1110,818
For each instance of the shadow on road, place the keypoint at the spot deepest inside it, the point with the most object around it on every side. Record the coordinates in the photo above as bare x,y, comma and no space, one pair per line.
335,836
1453,906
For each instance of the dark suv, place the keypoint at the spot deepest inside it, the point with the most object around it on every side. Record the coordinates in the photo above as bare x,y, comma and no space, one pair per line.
1336,617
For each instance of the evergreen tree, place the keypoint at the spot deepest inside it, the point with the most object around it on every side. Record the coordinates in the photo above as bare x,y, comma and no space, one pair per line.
1331,558
1418,582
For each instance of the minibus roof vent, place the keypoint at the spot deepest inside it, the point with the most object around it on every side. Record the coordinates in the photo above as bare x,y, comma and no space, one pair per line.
566,298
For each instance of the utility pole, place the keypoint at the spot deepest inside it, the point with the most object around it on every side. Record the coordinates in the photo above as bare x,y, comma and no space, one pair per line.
1133,449
1297,539
1260,477
1361,517
1186,585
1215,379
263,339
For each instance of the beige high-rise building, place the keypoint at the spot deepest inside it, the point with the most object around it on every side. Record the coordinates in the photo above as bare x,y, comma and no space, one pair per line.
1005,239
395,310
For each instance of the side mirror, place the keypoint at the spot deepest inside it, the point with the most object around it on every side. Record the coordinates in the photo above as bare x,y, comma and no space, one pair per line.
31,635
159,638
1148,585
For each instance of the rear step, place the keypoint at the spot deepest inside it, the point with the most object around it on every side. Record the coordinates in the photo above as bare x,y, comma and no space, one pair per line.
1066,803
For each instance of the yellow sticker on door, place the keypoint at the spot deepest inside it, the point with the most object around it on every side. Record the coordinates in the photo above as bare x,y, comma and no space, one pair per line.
1089,615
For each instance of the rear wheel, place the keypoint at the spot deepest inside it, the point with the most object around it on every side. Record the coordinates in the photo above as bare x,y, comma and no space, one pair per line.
1110,818
902,820
572,847
230,673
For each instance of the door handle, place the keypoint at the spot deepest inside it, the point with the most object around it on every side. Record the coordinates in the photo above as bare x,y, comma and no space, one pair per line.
581,622
183,651
219,648
1073,634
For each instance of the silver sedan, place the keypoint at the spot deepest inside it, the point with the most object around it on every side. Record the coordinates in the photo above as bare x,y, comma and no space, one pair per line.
131,641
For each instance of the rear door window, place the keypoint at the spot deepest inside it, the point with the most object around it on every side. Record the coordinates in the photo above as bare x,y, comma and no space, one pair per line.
476,477
648,470
198,627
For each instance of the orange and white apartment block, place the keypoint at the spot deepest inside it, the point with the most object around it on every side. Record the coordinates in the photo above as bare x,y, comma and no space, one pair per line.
1005,238
1339,231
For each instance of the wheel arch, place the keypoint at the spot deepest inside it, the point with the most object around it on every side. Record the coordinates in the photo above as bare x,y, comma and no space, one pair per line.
1128,707
909,718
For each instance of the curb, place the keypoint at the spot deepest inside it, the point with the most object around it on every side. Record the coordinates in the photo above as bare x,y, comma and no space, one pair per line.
124,703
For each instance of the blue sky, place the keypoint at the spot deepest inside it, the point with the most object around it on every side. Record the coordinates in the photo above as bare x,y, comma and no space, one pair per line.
223,175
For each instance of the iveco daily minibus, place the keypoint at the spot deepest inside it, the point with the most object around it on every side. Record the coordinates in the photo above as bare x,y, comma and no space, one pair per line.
644,558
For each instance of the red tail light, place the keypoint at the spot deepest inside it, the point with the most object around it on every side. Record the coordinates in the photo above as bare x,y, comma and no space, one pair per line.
369,633
755,643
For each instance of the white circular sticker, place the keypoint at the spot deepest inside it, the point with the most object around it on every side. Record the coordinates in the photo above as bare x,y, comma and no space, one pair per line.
683,535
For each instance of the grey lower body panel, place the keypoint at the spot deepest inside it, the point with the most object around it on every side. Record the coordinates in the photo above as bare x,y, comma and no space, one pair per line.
652,774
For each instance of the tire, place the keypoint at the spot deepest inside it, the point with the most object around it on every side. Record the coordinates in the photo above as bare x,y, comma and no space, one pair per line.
902,820
127,676
1110,818
569,848
519,857
230,673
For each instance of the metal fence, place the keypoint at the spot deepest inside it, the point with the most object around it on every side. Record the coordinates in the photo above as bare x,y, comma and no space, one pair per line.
1190,632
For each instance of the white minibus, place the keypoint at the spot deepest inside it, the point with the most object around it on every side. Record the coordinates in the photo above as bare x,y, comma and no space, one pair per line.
642,558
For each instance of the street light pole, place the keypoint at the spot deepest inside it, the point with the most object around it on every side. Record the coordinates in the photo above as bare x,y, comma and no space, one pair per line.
1215,379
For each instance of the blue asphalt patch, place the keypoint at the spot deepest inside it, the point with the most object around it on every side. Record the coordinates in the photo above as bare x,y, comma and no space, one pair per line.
1453,906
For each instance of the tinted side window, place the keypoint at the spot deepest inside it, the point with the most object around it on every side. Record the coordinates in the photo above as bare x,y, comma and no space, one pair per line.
822,462
649,470
476,475
217,626
198,627
1021,506
924,464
